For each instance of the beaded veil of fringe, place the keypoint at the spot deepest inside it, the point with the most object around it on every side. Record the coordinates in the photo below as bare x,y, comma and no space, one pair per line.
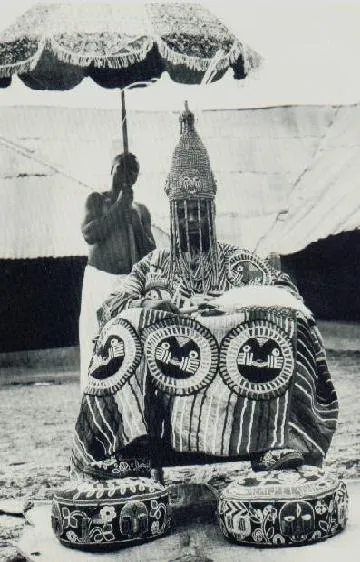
198,268
191,180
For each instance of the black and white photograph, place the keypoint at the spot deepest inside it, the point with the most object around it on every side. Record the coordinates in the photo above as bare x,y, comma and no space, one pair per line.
179,280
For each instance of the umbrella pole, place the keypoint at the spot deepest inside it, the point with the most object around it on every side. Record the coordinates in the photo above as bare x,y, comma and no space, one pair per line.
127,213
124,123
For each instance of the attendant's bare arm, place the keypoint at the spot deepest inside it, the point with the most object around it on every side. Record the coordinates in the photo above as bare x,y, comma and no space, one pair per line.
146,224
97,225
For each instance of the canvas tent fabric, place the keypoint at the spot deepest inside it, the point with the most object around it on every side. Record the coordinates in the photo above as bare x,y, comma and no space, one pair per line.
42,209
325,201
286,176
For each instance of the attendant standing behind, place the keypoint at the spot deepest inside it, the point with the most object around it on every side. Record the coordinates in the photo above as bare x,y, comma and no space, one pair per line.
118,231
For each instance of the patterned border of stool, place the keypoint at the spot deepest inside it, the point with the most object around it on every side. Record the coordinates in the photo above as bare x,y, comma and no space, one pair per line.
106,515
283,508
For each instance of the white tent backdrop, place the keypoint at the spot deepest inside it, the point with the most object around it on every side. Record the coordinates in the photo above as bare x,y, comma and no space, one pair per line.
286,176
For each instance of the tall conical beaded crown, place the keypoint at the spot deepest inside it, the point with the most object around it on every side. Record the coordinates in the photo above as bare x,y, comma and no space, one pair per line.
190,175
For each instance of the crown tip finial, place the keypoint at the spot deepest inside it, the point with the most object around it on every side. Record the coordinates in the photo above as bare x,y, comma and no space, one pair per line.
186,119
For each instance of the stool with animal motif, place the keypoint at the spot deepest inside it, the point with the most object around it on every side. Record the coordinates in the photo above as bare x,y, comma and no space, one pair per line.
283,508
103,515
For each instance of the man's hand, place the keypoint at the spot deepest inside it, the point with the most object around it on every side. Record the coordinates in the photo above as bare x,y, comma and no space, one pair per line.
160,304
126,196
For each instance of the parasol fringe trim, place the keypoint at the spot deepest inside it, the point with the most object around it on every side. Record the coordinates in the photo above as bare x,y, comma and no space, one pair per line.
193,63
112,61
238,49
24,66
252,59
202,64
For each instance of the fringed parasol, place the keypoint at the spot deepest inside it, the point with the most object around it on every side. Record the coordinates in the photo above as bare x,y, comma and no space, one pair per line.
55,46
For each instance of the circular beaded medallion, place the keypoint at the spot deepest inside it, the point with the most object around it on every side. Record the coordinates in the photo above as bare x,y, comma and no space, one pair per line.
182,355
257,360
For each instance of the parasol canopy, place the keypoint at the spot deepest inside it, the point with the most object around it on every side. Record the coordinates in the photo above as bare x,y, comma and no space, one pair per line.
54,46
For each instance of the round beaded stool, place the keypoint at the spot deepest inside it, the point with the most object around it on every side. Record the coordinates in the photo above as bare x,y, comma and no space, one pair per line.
283,508
107,514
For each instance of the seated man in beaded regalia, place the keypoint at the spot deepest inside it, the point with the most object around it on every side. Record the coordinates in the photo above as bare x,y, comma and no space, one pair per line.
208,385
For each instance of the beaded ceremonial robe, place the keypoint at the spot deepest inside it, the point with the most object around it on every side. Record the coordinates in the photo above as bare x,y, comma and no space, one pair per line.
250,379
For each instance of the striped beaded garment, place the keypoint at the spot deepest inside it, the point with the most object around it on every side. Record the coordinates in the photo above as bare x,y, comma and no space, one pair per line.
199,384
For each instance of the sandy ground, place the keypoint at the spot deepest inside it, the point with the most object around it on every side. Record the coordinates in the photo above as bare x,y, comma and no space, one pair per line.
37,421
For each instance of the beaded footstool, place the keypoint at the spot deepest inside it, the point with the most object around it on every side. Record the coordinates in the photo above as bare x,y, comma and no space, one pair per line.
107,514
283,508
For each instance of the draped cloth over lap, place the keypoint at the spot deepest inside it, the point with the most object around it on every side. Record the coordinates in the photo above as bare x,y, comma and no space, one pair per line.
246,381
